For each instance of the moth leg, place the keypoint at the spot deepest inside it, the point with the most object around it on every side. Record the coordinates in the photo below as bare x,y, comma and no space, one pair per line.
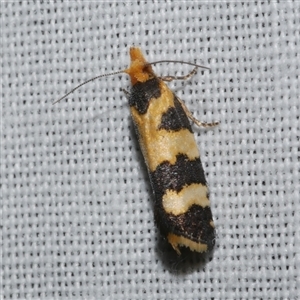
197,122
125,92
170,78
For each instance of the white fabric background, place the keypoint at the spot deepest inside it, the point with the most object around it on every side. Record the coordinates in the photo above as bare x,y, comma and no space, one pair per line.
77,212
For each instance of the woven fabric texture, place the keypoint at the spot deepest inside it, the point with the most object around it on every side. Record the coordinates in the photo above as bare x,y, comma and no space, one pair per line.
77,209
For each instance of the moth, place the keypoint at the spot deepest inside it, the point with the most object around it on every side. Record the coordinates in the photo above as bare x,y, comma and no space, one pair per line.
162,124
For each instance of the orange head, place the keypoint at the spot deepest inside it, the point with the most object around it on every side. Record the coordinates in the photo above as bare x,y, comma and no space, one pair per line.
139,70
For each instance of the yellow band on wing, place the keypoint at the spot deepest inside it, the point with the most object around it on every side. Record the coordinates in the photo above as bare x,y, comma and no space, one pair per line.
179,203
177,241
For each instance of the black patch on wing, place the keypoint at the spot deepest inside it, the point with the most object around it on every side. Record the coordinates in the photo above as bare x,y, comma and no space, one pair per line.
142,93
174,177
194,224
175,118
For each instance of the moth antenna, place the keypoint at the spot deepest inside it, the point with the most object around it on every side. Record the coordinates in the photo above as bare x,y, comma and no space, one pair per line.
178,61
83,83
122,71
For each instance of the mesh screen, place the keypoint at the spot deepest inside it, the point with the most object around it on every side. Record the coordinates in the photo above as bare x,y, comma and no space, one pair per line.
77,202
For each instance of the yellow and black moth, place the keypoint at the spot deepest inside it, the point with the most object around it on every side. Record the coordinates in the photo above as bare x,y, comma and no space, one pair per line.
182,207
